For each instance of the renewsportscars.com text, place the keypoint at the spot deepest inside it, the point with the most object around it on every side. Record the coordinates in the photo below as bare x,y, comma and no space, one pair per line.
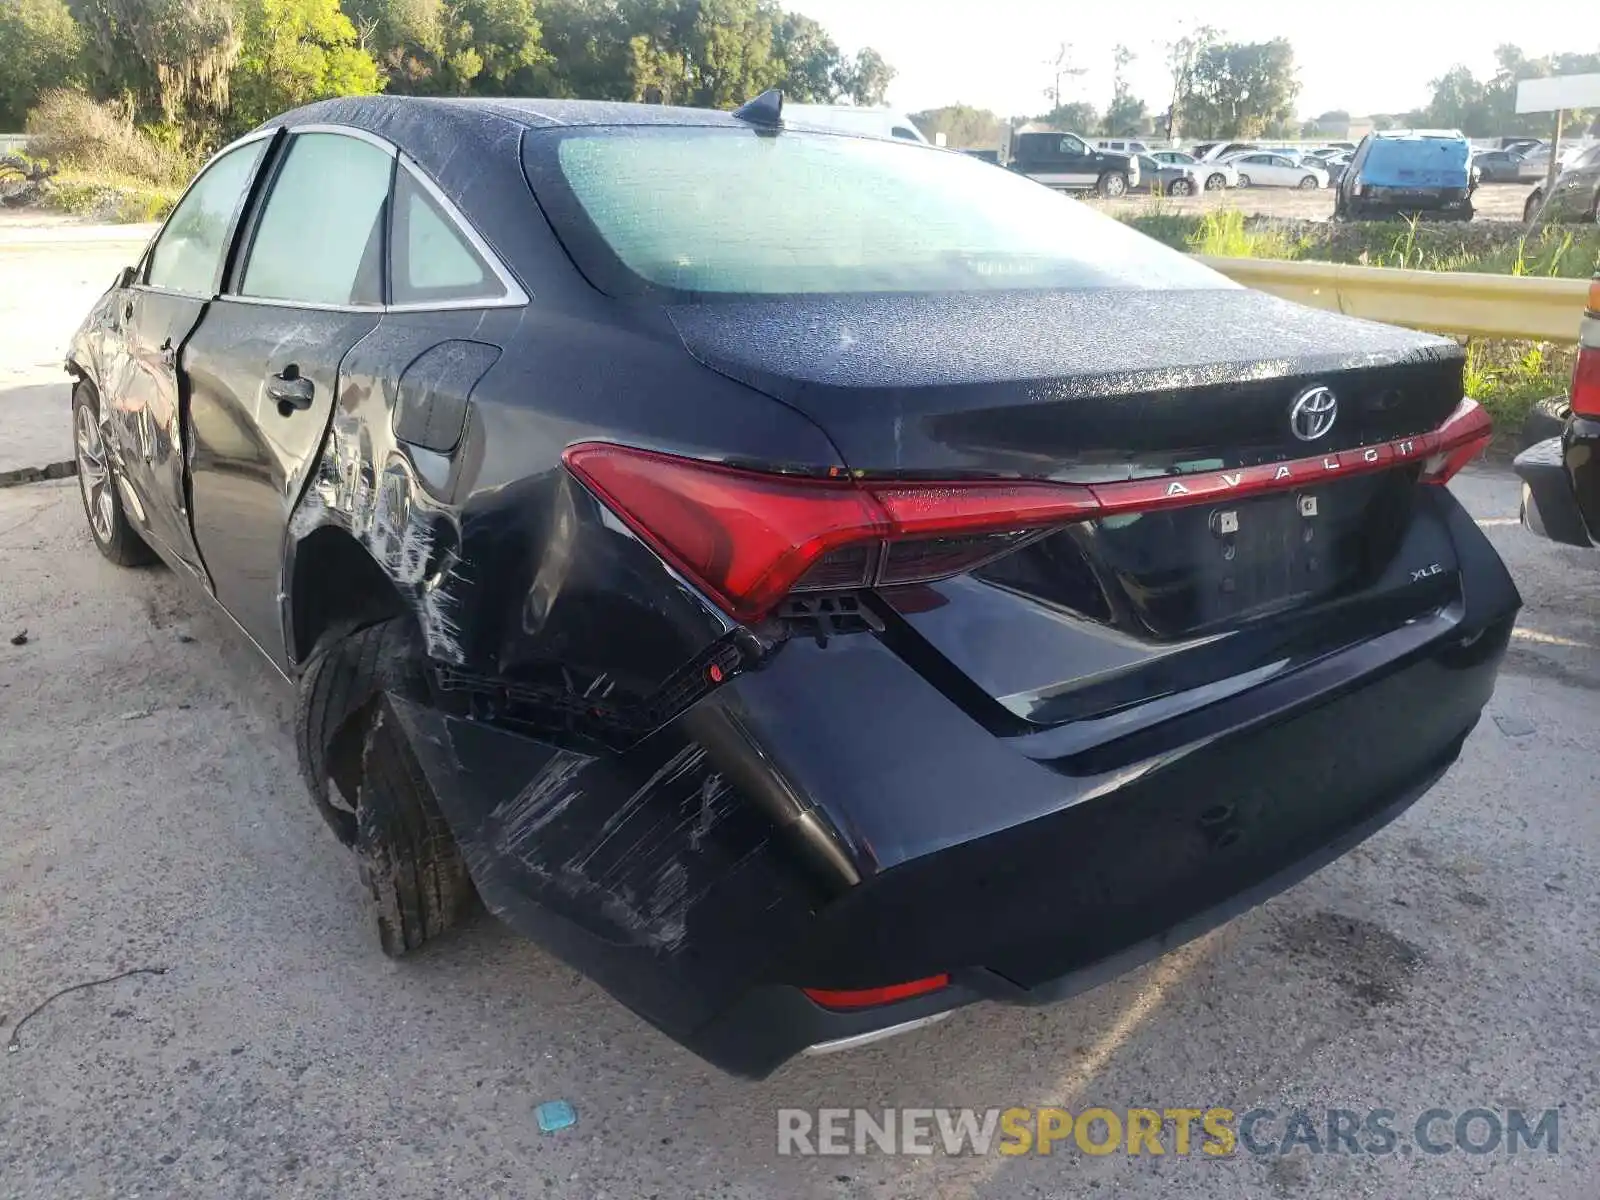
1214,1132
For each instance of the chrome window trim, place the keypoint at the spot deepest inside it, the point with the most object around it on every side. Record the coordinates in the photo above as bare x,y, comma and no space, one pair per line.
514,296
140,284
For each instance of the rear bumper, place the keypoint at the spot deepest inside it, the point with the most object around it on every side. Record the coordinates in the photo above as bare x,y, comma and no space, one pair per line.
832,820
1561,484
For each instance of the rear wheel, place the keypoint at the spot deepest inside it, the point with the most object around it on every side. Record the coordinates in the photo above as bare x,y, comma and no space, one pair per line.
1309,183
1530,207
1217,182
1244,180
1181,187
1112,183
113,535
369,787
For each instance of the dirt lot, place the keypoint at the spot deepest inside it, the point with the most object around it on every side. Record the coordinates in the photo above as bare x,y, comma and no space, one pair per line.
151,818
1493,201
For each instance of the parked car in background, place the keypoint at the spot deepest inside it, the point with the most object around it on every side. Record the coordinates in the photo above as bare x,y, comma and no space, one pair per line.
1215,176
1561,474
1215,151
1122,146
1336,166
847,118
1498,166
988,156
1166,179
1262,169
1403,172
799,689
1324,153
1067,162
1576,196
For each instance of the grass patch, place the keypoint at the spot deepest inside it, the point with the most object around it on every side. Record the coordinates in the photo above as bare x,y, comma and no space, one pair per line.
1509,377
1494,247
115,199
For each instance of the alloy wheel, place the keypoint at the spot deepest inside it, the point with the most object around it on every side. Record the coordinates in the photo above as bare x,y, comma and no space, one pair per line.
94,474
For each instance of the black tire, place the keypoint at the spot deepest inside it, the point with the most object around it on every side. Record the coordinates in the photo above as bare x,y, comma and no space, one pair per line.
1244,180
1181,187
1531,206
1309,183
347,736
114,535
1546,419
1112,184
1217,182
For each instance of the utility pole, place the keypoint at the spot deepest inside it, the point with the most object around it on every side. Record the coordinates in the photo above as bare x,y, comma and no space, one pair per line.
1062,65
1555,155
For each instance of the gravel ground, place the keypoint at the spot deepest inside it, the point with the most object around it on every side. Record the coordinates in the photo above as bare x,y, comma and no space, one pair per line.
1493,202
152,819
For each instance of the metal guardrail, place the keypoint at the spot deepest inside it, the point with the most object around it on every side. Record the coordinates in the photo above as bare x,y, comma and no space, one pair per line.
1499,306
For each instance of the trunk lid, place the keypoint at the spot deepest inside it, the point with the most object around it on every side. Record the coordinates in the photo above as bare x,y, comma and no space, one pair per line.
1145,389
1073,385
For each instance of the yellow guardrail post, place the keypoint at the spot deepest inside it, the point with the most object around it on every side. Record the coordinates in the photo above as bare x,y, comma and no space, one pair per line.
1498,306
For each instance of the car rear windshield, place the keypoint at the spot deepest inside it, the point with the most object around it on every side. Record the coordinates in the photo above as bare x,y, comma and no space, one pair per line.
718,211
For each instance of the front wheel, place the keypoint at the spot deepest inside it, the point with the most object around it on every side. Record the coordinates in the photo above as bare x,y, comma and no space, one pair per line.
1112,184
1309,183
1217,182
1530,208
114,535
1181,187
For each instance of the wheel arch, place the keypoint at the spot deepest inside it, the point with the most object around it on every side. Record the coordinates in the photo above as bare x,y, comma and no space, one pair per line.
334,581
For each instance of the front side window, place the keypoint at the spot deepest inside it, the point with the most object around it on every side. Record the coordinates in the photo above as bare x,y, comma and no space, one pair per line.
730,212
188,255
1071,145
320,237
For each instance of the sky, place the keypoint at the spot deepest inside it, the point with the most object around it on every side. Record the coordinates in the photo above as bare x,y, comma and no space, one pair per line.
1360,55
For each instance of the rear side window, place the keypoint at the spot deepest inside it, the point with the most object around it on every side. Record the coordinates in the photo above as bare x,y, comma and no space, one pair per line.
722,211
434,260
320,237
188,255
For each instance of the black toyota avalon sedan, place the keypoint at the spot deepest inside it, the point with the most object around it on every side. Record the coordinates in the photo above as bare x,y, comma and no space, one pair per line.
808,582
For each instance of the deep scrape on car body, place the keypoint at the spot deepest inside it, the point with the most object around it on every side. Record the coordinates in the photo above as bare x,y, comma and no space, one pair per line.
807,581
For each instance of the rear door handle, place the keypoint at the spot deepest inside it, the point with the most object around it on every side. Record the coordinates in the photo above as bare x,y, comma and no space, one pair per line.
290,390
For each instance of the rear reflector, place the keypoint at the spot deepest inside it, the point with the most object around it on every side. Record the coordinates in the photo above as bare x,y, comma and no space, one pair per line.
748,539
1586,383
868,997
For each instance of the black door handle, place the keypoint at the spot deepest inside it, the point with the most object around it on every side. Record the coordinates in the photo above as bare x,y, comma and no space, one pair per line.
169,356
290,390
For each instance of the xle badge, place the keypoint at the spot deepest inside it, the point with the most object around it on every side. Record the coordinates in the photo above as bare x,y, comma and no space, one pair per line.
1426,572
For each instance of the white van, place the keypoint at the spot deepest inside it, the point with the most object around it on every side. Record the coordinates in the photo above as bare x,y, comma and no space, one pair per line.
1123,146
846,118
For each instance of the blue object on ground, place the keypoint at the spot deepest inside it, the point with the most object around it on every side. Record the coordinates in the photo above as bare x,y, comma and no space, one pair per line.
555,1115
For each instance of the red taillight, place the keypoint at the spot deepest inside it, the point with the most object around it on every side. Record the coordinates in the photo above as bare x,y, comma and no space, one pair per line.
750,539
1586,383
1464,435
867,997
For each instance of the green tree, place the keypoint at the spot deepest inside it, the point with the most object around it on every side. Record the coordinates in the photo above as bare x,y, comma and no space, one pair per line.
1183,54
811,59
1459,102
174,57
296,51
866,78
1125,117
451,47
1078,117
41,47
1242,89
963,127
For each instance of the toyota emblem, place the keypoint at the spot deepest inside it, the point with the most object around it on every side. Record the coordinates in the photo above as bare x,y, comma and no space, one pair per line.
1313,412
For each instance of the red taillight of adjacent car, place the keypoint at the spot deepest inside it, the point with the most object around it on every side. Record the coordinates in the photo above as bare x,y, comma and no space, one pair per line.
749,539
869,997
1586,383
